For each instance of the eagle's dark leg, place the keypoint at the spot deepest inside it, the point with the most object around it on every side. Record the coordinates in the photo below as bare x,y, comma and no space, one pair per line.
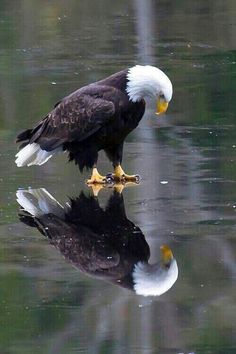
115,155
89,158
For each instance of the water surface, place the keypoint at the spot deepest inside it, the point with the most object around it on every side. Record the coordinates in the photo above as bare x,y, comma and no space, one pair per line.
187,161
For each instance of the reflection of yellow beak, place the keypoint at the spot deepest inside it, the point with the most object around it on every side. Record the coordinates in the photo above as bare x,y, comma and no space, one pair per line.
166,254
162,106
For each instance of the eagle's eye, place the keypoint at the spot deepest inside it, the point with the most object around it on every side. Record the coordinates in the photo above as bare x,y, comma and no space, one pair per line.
162,96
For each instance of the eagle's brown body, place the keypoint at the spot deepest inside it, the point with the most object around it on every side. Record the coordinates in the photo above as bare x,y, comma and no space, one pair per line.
95,117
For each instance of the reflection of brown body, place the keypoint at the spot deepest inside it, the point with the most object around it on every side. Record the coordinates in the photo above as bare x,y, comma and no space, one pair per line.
100,242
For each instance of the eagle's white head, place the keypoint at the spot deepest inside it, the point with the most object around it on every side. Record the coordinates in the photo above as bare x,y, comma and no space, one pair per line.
148,81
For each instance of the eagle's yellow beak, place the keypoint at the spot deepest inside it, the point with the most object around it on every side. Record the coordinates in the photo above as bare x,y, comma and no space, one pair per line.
166,254
162,105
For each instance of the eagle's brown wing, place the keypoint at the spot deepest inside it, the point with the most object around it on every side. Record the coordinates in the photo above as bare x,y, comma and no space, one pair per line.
75,118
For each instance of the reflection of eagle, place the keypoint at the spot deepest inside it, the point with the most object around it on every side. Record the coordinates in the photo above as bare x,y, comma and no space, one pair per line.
100,242
96,117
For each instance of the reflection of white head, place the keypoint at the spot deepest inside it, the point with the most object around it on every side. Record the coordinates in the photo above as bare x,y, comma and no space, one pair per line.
156,279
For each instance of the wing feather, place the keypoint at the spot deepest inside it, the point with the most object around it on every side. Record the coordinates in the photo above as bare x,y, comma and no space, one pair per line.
75,118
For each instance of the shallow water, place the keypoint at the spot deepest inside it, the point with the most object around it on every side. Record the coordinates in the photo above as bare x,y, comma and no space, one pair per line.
187,161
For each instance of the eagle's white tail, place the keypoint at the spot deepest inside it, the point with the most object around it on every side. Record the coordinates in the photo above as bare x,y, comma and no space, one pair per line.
39,202
32,154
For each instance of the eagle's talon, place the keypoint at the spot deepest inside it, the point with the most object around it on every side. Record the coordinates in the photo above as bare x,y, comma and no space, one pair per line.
133,178
91,182
137,178
121,176
109,178
96,178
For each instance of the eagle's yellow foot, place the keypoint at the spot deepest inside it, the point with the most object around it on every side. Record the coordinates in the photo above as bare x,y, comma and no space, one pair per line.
96,178
120,176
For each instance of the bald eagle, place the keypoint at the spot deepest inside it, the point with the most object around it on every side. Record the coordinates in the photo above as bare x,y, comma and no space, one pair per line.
96,117
100,242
